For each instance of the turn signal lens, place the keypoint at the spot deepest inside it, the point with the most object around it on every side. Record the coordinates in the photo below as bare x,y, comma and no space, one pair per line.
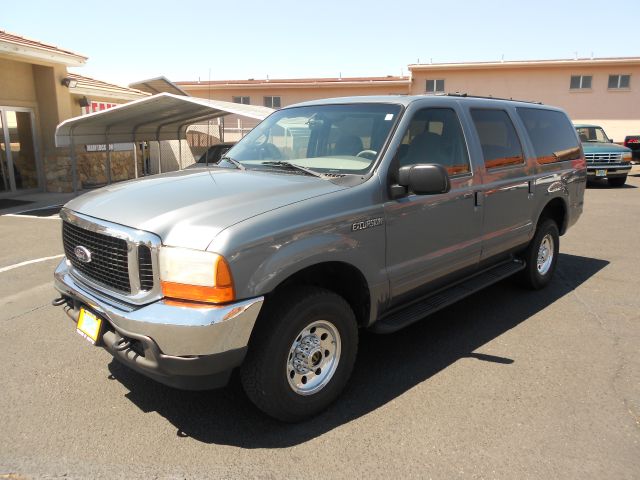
195,275
626,157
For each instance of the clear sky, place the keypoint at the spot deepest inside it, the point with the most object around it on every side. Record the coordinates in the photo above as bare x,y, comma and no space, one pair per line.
188,39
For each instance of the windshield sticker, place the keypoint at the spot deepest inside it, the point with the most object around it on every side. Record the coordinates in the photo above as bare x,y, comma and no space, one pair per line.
388,117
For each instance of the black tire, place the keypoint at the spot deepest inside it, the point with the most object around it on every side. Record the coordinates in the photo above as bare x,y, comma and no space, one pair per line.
618,181
265,369
532,277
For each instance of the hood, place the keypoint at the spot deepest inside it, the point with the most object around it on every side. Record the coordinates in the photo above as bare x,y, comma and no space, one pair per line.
603,147
189,208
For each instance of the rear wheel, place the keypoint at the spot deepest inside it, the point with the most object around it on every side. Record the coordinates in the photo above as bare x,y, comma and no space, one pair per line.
541,256
618,181
301,354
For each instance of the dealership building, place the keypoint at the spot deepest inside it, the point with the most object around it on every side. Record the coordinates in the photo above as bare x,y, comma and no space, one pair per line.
37,92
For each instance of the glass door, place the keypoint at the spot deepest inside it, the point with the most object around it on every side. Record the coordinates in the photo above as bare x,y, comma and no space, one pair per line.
18,156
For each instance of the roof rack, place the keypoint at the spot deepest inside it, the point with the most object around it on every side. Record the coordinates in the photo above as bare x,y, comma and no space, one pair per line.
490,98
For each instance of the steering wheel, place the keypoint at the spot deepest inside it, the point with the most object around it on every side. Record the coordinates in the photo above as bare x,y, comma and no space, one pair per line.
368,154
268,151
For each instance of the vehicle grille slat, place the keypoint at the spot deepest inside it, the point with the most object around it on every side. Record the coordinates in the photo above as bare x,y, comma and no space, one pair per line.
145,268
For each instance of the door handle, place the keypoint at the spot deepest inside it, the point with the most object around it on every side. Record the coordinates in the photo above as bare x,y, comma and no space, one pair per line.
479,199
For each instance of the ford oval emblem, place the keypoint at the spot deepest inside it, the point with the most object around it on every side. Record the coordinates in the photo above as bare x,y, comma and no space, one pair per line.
82,253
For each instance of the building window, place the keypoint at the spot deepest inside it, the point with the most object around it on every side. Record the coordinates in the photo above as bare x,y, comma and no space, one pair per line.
619,81
272,102
243,100
580,82
435,86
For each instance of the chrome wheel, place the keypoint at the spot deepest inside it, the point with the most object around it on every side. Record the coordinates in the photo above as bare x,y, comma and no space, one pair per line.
545,254
313,357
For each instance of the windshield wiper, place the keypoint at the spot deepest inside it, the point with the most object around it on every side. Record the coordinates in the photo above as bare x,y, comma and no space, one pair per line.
281,163
234,162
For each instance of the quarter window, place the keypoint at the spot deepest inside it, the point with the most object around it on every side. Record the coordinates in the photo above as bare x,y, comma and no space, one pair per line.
272,102
243,100
619,81
551,134
435,136
580,82
435,86
501,146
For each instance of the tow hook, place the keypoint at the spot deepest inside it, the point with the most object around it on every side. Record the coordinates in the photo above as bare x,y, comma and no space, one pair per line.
56,302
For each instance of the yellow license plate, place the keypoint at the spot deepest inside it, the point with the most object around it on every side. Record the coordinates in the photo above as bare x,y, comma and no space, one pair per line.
89,326
601,173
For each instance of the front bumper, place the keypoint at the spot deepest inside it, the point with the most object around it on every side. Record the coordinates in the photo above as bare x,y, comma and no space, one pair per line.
186,347
612,170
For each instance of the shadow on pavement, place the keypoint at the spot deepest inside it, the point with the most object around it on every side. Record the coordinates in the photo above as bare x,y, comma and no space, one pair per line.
387,366
596,184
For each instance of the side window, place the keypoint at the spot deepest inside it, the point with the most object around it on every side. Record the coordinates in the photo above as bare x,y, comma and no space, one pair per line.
551,134
501,146
435,136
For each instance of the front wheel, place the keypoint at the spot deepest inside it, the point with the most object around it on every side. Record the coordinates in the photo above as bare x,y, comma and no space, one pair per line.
301,354
541,256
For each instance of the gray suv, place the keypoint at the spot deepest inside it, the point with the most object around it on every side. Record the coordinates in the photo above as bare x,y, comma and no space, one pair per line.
328,218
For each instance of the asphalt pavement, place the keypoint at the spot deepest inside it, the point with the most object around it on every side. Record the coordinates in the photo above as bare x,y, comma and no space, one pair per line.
506,384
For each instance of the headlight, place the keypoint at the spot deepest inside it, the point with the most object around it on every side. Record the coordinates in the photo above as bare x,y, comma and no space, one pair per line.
626,157
195,275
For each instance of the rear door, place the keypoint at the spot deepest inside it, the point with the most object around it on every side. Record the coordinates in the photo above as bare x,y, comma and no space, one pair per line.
505,196
430,238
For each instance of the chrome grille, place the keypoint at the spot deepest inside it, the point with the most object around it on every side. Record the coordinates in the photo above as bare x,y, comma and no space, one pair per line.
109,258
145,268
594,158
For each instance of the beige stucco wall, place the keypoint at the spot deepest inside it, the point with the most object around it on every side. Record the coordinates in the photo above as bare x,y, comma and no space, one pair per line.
618,111
17,88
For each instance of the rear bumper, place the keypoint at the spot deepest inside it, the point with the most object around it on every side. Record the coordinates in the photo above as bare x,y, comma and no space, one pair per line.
184,347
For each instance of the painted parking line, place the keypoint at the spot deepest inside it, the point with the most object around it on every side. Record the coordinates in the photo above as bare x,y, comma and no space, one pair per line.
29,262
17,215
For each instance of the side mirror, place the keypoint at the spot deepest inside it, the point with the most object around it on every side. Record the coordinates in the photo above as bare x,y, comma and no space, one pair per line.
611,140
424,179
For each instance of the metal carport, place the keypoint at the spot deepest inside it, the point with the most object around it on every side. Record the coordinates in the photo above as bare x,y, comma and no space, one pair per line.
160,117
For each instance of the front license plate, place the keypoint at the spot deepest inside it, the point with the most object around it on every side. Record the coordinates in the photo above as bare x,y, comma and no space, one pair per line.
601,173
89,326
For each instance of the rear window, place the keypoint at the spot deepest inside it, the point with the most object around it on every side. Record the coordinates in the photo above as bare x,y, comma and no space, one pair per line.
551,133
500,143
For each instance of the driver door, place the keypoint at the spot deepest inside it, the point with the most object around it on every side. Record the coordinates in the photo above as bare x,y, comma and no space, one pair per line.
433,238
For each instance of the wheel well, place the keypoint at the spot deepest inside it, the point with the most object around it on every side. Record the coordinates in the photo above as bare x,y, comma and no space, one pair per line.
556,210
339,277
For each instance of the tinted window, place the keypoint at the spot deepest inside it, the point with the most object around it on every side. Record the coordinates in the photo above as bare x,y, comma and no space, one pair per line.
551,134
500,144
435,136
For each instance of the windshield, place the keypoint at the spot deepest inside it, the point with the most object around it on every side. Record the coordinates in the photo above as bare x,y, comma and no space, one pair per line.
337,139
592,134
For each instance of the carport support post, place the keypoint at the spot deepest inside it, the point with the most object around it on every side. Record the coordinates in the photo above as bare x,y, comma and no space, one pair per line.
108,160
159,157
135,159
74,164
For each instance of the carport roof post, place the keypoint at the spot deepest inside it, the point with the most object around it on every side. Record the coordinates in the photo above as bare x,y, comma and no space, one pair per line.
159,117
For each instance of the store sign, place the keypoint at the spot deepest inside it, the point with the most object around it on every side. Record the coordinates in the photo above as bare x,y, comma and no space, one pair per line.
97,107
115,147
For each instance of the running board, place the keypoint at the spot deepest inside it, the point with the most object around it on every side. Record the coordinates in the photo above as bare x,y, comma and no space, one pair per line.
443,298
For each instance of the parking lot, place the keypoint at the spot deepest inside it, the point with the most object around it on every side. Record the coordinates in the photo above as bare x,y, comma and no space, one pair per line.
505,384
